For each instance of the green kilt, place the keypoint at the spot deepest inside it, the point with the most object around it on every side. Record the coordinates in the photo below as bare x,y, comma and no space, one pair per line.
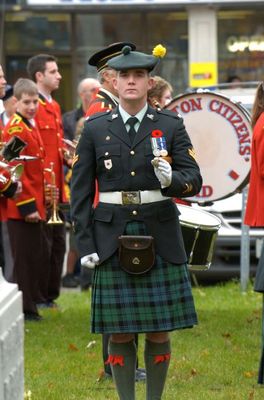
157,301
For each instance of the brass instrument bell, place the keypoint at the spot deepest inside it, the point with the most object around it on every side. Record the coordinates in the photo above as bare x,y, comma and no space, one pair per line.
54,218
8,173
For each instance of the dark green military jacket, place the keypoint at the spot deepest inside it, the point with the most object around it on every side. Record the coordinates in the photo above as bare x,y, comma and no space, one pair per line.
105,154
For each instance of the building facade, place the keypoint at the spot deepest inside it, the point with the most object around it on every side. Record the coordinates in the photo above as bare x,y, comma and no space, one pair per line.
206,41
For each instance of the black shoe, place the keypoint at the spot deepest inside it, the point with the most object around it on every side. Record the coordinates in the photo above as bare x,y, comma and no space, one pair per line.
85,287
48,304
140,375
69,281
107,375
28,316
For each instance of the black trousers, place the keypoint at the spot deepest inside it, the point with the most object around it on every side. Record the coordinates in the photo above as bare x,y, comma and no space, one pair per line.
54,251
26,241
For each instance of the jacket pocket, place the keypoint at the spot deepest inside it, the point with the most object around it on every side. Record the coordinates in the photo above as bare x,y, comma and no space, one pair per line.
48,129
103,214
109,165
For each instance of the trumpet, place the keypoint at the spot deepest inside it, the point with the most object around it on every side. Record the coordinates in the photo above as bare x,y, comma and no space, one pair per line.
54,218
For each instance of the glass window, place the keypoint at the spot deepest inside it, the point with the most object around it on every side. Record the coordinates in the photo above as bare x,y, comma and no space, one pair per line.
25,31
171,30
241,44
146,30
95,31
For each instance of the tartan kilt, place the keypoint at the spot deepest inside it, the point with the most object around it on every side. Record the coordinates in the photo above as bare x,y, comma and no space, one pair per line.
157,301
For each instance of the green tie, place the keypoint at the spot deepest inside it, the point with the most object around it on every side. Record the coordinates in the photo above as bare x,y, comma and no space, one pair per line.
131,122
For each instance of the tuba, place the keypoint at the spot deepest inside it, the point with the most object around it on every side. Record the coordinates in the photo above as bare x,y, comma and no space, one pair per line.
54,218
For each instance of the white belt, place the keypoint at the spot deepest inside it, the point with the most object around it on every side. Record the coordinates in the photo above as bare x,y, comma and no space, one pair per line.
133,197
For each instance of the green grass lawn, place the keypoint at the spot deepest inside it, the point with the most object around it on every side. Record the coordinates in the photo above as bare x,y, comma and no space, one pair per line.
218,359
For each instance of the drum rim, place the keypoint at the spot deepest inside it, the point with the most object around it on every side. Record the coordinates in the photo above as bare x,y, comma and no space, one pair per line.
195,92
242,109
205,227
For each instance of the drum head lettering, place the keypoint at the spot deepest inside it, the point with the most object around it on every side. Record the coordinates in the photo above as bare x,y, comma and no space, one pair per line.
220,132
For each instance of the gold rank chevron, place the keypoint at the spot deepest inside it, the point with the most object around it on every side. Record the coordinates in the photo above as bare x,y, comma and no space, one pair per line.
192,153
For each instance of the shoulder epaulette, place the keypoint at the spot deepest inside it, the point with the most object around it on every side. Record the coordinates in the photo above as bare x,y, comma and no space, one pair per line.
16,119
97,115
172,114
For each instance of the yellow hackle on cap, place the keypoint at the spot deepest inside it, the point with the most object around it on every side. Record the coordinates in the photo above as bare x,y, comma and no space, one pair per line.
159,51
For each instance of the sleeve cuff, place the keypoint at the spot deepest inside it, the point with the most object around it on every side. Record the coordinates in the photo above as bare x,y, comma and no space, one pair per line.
27,207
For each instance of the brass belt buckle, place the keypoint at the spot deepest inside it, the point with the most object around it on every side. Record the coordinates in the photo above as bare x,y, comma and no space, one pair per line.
131,198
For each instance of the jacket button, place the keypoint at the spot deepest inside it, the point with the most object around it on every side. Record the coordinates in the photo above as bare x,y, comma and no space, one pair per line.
134,212
133,173
132,152
106,153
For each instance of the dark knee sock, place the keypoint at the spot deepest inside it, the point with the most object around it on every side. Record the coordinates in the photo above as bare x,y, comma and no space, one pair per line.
157,359
105,344
122,358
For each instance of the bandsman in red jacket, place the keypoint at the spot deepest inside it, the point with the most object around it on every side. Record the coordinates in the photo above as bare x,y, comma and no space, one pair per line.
8,188
26,214
43,69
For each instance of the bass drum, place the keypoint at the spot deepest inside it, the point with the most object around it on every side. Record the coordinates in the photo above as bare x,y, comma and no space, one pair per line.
220,132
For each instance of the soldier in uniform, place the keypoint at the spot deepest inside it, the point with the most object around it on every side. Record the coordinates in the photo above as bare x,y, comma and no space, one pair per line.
107,99
135,190
26,214
43,70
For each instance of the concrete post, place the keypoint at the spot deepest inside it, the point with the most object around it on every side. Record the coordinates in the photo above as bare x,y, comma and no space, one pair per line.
11,342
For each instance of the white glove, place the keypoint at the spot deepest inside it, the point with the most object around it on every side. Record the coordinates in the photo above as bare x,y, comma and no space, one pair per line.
162,171
90,261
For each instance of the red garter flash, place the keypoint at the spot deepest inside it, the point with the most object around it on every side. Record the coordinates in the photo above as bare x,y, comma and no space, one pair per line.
161,358
115,360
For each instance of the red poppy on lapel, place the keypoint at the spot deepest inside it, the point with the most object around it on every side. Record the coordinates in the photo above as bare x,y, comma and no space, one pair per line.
156,133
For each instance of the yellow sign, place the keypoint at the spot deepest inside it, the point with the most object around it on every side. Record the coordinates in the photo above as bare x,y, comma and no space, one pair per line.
203,74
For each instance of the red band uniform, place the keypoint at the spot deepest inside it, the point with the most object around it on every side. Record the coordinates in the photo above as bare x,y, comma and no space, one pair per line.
27,238
49,122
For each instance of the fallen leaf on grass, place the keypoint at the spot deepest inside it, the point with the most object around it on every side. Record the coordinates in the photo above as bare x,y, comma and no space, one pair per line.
251,395
205,352
72,347
91,344
249,374
226,335
193,372
27,395
100,375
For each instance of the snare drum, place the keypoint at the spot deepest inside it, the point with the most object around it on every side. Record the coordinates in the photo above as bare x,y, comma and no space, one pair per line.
220,132
199,230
